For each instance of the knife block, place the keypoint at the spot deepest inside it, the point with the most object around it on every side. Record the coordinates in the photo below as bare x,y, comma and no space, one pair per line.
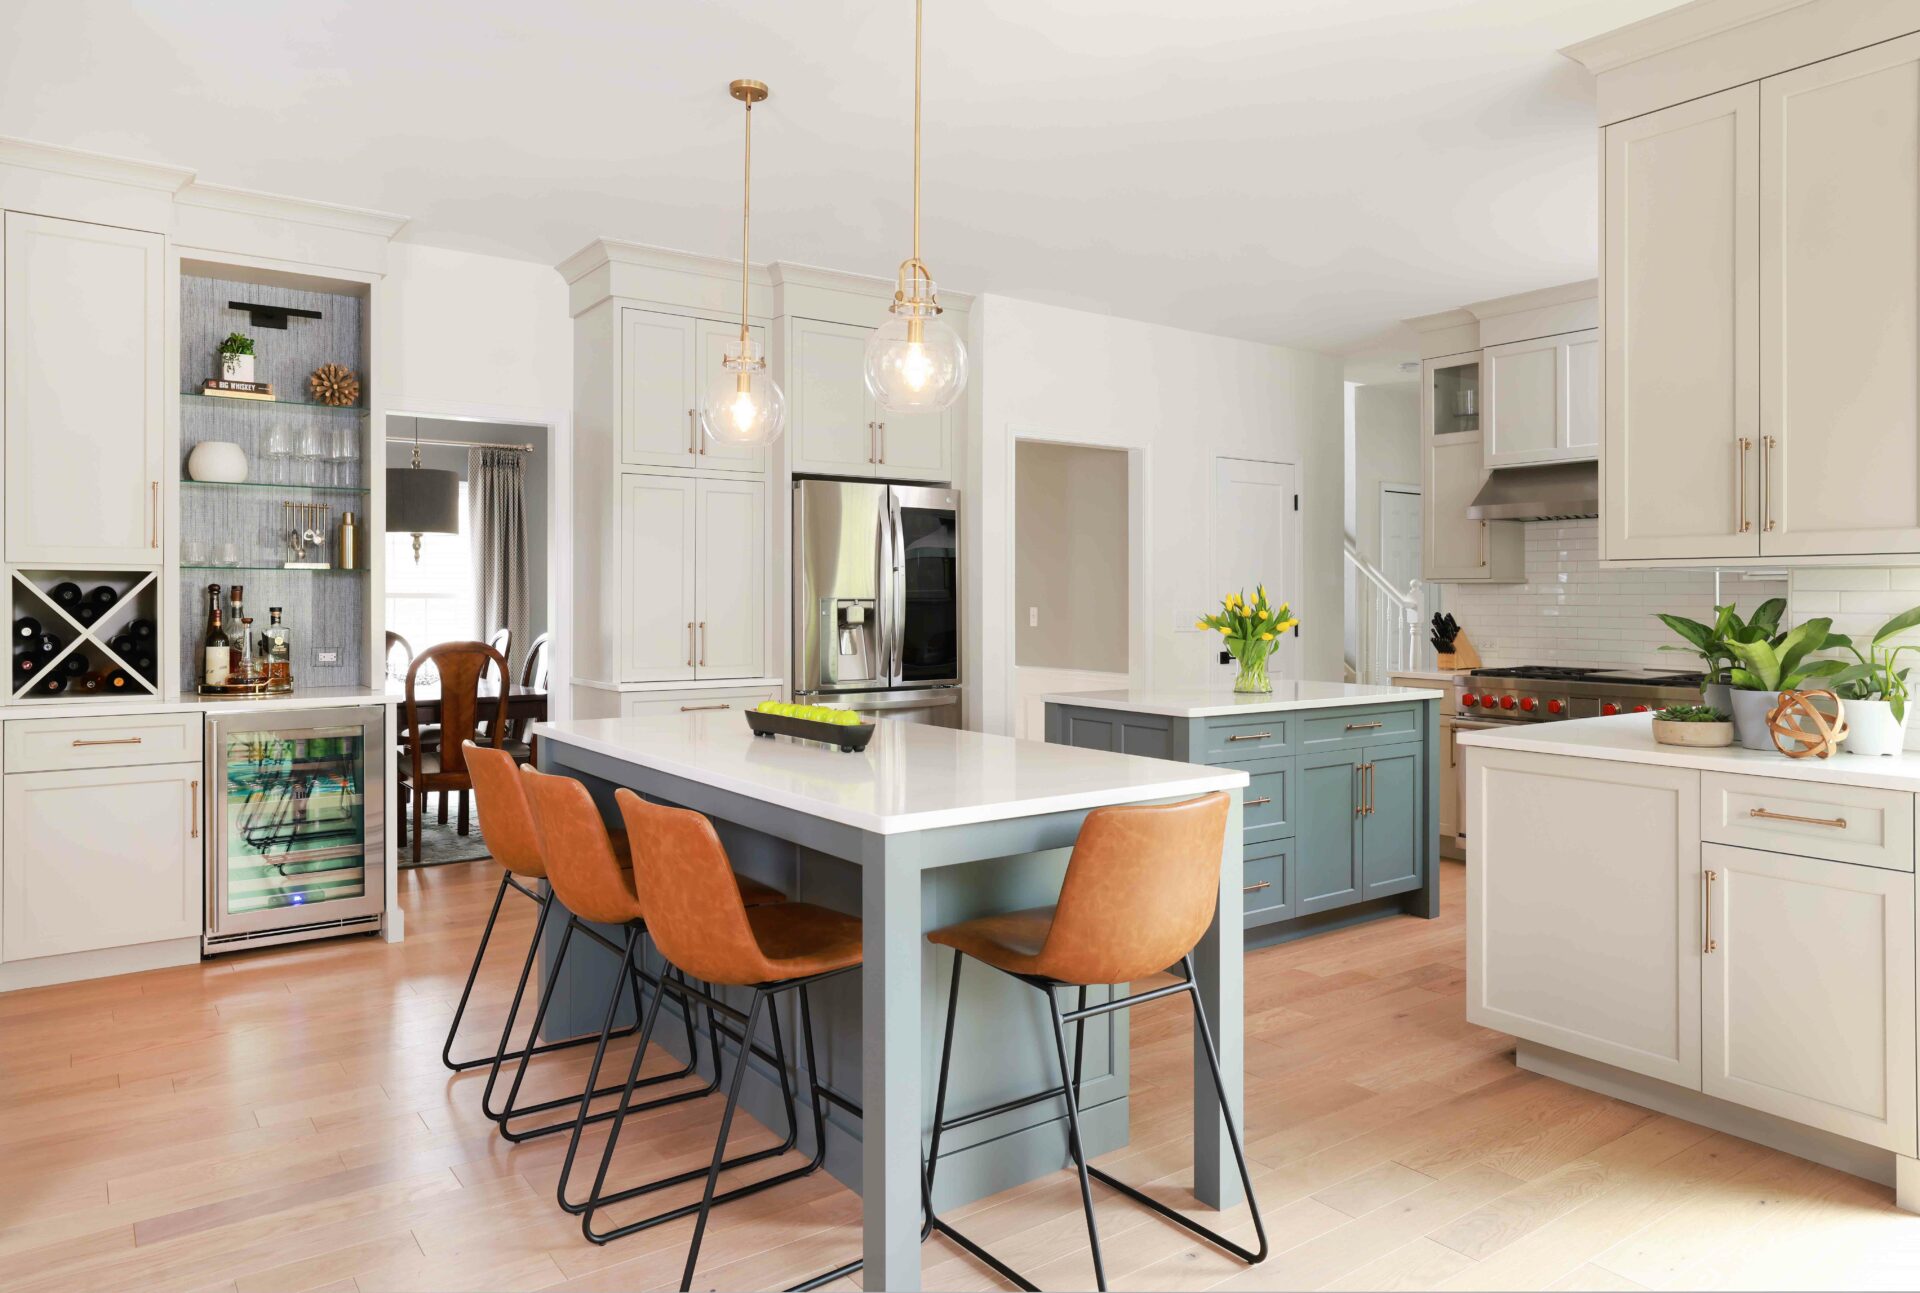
1463,656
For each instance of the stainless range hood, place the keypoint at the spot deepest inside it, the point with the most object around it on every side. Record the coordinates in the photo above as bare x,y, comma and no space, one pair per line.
1548,491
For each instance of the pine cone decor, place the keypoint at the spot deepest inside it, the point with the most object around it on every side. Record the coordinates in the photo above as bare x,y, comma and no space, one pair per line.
332,384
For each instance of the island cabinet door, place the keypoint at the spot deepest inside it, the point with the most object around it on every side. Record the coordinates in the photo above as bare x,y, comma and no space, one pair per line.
1390,828
1809,989
1583,908
1327,832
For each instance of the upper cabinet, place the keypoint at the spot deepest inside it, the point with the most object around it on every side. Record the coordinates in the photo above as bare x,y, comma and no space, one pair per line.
86,391
1456,548
838,429
667,364
1761,290
1542,400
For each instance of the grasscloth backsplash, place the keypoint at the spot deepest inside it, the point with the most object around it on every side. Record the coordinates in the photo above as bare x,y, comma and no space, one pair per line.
1571,610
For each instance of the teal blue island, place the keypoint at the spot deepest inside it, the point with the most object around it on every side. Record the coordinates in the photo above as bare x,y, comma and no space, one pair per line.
1341,817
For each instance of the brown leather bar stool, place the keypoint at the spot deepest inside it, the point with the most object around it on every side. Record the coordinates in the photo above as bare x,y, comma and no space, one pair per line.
1140,891
702,928
589,874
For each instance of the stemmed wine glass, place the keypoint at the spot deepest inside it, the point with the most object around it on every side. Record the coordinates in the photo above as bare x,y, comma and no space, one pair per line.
280,448
348,455
312,450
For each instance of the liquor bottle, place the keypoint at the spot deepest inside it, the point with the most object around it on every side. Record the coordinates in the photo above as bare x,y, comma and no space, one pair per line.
236,641
217,651
66,593
102,597
246,667
277,646
25,629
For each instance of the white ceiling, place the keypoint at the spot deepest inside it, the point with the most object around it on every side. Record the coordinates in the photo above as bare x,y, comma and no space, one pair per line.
1300,171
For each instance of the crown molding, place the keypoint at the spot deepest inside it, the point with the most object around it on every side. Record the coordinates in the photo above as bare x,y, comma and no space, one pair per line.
325,215
1444,319
93,166
1587,289
619,251
1696,20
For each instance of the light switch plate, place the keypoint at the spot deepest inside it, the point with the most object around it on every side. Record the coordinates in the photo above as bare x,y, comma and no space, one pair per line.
326,657
1033,617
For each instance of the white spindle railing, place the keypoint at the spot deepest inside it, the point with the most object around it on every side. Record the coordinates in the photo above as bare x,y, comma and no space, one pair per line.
1387,632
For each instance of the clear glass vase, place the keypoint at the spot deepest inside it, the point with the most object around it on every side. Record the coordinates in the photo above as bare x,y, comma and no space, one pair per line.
1253,675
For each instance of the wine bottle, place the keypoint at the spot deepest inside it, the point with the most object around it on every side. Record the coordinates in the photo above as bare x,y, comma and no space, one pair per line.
66,593
46,645
51,685
76,664
141,628
25,629
236,640
25,665
118,680
86,613
217,651
102,597
92,682
123,645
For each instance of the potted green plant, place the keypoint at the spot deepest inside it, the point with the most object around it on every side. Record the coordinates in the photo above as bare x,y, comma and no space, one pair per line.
1251,630
1875,687
1764,669
236,357
1701,726
1710,643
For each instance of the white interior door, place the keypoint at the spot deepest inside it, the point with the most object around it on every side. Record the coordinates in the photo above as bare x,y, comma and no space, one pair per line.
1256,540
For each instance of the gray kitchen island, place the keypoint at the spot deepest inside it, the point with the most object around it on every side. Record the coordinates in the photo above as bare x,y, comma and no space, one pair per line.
925,827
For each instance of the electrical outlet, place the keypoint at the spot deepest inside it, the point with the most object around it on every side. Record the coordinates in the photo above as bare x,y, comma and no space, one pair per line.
1033,617
1226,657
326,657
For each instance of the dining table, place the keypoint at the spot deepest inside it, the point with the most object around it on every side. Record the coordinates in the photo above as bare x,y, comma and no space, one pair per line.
525,702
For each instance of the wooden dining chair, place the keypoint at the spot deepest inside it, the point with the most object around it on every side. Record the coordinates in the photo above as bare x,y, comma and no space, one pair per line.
440,767
534,676
502,642
396,643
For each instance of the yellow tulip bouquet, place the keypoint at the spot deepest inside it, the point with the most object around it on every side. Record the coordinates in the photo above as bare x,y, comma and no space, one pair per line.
1252,630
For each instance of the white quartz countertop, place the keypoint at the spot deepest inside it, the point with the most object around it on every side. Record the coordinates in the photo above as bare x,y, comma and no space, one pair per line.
300,698
911,776
1213,704
1628,738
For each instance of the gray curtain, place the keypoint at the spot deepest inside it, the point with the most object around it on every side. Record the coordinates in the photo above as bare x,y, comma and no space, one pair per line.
497,516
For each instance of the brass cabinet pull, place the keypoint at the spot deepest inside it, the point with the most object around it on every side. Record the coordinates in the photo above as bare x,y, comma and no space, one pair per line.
193,817
873,443
693,431
690,644
1706,914
882,427
1252,736
703,643
1369,790
79,742
695,709
1766,476
1361,727
1255,803
1483,543
156,513
1746,447
1837,823
1256,888
1360,808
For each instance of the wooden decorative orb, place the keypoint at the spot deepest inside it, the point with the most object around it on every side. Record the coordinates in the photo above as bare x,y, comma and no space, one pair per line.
1799,727
332,384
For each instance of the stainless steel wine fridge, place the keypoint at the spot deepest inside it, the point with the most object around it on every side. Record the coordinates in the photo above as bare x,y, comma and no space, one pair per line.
296,831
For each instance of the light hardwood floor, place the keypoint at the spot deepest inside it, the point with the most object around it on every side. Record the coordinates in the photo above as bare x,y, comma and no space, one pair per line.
279,1121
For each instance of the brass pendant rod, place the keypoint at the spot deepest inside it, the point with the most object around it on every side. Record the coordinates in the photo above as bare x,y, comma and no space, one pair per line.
746,221
918,23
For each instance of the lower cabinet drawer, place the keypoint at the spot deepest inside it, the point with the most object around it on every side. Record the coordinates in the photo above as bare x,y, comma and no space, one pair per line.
1267,882
1349,727
639,704
116,741
1267,805
1855,824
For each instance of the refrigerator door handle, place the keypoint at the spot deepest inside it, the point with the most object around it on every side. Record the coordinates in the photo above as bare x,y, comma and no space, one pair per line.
897,591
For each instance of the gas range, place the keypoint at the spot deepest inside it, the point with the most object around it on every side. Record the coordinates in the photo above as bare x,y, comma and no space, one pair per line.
1550,693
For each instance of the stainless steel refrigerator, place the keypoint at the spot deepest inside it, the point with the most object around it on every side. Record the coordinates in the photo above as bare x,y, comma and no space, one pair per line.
876,599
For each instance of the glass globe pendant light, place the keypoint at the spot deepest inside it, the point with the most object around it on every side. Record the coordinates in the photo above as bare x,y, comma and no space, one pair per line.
744,405
914,360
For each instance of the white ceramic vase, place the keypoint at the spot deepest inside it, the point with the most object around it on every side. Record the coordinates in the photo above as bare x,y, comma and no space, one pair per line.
1872,728
219,461
236,368
1750,718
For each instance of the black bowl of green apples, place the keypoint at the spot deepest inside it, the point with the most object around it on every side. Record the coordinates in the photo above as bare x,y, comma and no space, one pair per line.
827,724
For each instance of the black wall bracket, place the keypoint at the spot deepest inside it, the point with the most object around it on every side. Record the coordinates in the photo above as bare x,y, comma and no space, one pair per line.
271,316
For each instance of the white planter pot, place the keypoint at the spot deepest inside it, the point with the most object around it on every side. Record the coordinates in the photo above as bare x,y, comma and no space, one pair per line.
1873,729
220,461
1718,696
1750,719
236,368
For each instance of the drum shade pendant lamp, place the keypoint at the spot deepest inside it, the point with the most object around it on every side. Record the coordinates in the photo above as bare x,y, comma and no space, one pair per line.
914,360
422,500
744,405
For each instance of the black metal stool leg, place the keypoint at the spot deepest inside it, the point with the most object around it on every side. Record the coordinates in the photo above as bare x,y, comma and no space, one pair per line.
519,993
1074,1143
473,974
720,1144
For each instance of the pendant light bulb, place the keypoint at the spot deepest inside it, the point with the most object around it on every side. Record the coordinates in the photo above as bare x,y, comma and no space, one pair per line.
914,360
744,405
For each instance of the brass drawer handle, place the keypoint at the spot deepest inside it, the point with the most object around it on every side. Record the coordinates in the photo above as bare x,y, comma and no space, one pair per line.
1252,736
696,709
118,740
1838,823
1706,915
1255,803
1256,888
1362,727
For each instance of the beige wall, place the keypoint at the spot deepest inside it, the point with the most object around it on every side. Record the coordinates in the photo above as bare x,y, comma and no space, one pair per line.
1070,557
1386,431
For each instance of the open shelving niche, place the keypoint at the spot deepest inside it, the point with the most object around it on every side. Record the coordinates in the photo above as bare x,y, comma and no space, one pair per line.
139,590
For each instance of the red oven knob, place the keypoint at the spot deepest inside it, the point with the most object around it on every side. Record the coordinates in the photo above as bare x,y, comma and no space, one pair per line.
1641,709
1469,700
1506,702
1554,707
1528,704
1609,708
1488,702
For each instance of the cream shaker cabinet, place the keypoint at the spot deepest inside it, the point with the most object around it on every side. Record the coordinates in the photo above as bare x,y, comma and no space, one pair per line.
1839,304
667,364
86,392
100,857
714,339
1542,399
836,427
1459,549
693,582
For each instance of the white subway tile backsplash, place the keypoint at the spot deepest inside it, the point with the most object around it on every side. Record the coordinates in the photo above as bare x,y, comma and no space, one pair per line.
1571,610
1845,580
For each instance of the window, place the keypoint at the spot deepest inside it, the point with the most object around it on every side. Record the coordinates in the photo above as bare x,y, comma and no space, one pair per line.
433,601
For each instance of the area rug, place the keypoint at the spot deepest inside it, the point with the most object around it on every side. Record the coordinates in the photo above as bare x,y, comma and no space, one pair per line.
440,845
